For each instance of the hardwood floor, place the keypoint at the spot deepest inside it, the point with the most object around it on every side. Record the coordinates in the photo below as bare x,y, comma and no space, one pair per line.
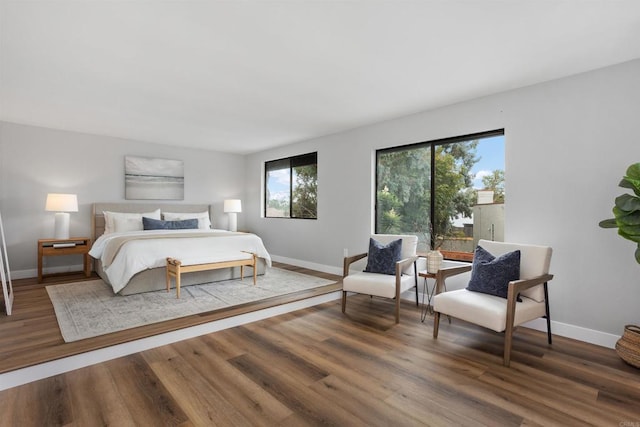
318,366
31,334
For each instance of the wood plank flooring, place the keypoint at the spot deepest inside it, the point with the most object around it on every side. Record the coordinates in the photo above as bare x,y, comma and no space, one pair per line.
317,366
31,334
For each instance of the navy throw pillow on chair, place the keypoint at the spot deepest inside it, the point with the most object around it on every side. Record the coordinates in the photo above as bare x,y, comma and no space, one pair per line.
491,275
382,258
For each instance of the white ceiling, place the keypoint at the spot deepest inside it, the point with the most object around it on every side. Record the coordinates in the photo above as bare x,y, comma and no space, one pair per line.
243,76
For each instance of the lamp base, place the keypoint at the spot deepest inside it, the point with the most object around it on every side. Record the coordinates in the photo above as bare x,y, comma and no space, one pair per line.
61,226
233,221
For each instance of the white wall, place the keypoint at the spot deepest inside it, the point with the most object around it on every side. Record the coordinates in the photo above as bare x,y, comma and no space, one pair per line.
35,161
568,143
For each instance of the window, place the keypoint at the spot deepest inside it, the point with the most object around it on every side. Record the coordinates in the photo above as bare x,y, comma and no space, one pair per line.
450,192
291,187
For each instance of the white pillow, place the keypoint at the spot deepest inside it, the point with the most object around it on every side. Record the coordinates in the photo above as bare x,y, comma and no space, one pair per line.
127,224
204,222
110,220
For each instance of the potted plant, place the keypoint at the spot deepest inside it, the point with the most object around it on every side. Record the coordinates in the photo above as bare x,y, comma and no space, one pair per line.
626,219
627,209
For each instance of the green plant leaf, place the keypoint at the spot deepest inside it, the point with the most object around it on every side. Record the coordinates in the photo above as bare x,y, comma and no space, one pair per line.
625,235
627,209
619,213
629,218
628,203
629,235
608,223
625,183
632,179
633,171
633,184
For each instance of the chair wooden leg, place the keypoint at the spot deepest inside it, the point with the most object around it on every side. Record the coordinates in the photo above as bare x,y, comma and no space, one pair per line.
397,310
436,324
508,333
508,338
344,300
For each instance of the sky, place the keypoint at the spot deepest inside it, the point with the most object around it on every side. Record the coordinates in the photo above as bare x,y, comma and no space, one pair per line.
279,184
491,153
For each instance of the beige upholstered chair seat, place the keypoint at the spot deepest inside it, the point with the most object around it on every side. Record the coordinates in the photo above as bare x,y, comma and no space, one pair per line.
382,285
486,310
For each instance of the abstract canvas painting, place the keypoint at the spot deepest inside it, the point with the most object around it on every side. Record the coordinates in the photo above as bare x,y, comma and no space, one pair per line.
153,179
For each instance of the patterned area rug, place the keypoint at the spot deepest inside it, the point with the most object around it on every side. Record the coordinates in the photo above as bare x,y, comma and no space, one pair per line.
88,309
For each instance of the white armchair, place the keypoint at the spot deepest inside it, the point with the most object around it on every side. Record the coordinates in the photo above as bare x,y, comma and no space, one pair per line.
384,285
495,312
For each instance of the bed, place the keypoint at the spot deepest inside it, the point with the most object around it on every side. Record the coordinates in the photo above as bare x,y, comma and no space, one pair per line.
133,261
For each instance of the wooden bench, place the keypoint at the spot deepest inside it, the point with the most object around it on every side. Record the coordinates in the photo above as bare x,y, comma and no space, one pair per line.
176,267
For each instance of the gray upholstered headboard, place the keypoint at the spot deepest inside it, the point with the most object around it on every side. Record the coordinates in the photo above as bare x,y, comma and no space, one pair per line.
97,217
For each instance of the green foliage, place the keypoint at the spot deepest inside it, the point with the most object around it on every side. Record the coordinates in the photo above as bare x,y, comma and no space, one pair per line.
495,182
389,222
305,191
627,209
453,178
405,196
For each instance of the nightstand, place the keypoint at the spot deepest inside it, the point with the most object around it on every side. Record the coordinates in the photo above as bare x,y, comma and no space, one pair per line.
57,247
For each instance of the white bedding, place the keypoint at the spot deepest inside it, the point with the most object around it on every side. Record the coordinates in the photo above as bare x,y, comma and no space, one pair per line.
145,253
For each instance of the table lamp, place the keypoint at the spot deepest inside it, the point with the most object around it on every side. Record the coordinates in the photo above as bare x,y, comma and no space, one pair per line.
232,207
61,204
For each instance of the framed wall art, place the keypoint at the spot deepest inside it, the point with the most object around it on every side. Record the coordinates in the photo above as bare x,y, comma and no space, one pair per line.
153,179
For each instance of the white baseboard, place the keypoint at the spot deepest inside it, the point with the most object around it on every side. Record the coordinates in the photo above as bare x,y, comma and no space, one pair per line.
579,333
23,274
60,366
27,274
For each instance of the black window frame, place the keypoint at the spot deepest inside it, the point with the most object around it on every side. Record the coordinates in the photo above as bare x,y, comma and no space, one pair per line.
293,162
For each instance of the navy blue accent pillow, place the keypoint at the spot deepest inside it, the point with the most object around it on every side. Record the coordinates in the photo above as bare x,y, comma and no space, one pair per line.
491,275
382,258
157,224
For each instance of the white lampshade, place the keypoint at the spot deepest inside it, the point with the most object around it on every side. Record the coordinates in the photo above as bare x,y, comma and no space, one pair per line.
61,202
232,205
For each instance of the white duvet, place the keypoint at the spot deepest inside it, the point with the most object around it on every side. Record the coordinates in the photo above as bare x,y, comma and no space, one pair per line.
145,253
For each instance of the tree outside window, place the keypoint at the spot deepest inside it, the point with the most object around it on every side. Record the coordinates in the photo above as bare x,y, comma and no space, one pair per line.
430,189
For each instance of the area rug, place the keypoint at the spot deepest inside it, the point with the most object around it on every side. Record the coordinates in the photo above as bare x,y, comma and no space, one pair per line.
89,309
